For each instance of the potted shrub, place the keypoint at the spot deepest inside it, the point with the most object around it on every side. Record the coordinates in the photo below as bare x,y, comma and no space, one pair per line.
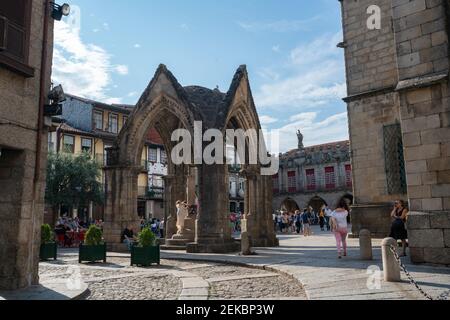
93,248
146,251
48,249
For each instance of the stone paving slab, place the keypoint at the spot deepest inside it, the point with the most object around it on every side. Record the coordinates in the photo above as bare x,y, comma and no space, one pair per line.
56,290
241,277
313,261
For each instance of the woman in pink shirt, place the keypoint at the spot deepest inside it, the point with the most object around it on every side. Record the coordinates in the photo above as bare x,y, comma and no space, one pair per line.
340,227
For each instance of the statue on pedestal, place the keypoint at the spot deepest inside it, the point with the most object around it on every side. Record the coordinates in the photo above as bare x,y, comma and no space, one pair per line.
182,214
300,140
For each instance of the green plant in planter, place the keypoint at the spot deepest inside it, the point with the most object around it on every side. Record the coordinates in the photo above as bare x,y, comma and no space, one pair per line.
94,236
48,248
147,252
94,248
146,238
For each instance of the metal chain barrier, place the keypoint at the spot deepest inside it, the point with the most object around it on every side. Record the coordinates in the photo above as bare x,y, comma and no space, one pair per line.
443,296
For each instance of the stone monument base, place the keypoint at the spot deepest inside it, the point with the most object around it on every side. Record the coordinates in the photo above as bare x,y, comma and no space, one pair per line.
180,241
374,217
224,247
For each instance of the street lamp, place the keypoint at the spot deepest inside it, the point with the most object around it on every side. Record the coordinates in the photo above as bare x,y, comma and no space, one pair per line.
59,11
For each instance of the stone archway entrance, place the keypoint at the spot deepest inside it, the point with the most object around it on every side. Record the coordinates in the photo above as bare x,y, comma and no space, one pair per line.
316,203
289,205
167,106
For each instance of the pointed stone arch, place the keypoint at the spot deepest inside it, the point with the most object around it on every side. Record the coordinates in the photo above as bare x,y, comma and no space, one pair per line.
165,107
168,106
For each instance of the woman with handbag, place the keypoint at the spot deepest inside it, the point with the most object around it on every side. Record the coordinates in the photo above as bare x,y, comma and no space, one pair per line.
339,226
399,215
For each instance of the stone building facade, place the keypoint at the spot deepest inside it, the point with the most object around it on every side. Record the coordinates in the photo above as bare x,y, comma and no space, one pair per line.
313,176
398,107
25,67
91,126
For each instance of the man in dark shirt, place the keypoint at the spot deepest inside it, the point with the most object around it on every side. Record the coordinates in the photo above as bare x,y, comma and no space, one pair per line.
128,237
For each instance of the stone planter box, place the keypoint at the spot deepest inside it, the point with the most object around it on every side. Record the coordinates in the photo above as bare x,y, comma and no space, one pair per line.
48,251
145,256
92,253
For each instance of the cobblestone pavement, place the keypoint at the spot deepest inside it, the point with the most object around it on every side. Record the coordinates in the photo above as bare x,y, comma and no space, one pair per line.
173,279
313,262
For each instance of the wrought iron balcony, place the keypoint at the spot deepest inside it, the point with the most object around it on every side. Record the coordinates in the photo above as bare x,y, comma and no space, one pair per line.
151,193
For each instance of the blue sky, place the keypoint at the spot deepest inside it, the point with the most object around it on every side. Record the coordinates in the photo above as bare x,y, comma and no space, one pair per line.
109,50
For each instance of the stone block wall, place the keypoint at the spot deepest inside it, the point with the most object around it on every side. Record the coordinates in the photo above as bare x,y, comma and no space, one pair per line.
22,195
421,33
369,54
416,32
372,103
429,237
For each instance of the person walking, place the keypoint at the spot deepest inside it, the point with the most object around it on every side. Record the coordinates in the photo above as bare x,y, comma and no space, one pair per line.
327,212
298,221
339,226
285,223
399,215
322,219
306,221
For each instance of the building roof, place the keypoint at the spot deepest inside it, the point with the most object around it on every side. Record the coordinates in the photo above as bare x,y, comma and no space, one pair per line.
331,146
121,108
154,138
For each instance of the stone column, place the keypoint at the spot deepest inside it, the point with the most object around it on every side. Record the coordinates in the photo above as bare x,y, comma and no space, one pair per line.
213,233
121,204
174,190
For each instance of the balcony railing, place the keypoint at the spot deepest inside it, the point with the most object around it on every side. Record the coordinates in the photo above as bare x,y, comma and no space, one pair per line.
151,192
320,186
234,168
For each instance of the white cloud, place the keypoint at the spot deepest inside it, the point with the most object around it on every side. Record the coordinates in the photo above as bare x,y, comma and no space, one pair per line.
184,26
304,91
305,117
267,120
276,48
309,83
279,26
95,30
320,49
268,74
132,94
121,69
83,69
106,26
314,77
137,46
333,128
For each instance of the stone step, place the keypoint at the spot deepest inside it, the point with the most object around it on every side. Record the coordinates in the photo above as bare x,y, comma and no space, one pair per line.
177,242
173,247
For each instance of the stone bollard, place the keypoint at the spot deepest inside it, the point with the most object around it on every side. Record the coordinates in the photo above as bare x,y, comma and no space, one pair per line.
365,245
391,267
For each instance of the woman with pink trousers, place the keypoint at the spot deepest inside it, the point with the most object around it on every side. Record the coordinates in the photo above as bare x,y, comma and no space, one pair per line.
340,227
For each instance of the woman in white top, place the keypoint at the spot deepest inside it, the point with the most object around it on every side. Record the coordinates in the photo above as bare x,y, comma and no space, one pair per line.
340,227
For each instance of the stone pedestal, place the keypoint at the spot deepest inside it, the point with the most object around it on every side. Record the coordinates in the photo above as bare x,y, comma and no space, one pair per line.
374,217
180,241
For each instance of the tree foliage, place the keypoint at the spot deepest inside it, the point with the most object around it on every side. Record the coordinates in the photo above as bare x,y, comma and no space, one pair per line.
73,181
